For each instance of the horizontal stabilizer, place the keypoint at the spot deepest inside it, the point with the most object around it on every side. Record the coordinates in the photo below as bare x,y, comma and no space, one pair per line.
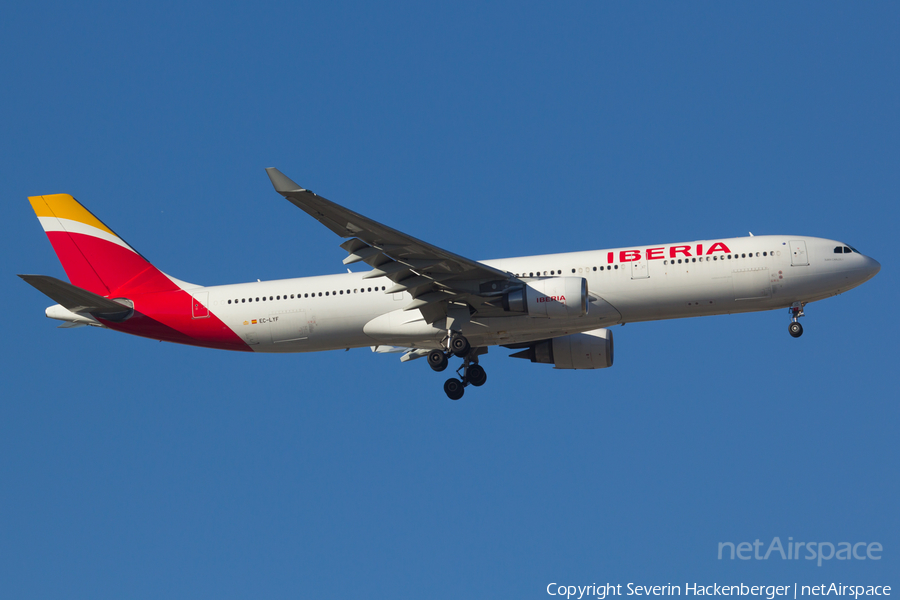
78,300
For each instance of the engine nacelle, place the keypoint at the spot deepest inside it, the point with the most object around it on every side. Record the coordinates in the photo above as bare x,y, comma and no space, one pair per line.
588,350
555,298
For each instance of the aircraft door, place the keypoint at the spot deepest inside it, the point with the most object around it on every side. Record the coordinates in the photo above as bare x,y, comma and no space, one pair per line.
199,304
799,257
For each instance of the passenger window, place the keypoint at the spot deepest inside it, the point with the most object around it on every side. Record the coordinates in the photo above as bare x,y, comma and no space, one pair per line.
617,266
573,270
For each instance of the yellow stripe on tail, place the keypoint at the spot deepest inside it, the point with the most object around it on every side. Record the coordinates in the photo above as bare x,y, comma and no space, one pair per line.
64,206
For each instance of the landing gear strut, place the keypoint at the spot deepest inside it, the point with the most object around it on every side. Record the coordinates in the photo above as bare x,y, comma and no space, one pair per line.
795,328
470,372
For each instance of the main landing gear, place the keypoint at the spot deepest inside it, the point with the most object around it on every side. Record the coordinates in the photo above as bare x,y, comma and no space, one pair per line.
470,372
795,328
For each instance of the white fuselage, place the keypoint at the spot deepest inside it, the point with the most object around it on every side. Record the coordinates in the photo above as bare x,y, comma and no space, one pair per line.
644,283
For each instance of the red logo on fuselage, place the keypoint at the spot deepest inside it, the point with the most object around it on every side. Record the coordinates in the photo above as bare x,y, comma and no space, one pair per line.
672,251
551,299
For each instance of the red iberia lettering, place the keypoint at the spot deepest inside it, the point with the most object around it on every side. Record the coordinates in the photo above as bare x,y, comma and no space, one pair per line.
718,247
699,249
551,299
654,253
686,250
609,258
629,255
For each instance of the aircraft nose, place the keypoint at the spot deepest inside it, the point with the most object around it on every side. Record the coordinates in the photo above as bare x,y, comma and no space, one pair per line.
872,267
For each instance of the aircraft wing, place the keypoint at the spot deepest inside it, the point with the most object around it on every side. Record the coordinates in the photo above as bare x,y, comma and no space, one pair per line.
432,275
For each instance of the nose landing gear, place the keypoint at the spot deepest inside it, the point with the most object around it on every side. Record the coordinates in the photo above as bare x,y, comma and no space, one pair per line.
795,328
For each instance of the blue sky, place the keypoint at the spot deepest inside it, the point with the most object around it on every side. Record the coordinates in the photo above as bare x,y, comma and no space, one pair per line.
137,469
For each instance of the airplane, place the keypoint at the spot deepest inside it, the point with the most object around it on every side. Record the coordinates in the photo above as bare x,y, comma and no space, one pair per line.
428,302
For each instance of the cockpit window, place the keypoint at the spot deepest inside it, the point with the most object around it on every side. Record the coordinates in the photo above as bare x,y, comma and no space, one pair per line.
847,250
839,250
854,250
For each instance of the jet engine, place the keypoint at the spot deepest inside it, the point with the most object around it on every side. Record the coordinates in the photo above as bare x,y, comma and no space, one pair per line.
588,350
555,298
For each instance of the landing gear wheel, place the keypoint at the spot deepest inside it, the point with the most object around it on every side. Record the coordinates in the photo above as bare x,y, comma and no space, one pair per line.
795,329
475,375
459,346
437,360
454,388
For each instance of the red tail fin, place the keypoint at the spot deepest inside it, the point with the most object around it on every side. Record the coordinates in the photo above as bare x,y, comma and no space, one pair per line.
94,257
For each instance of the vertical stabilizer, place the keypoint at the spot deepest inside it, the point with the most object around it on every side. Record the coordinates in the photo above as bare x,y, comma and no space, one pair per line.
93,256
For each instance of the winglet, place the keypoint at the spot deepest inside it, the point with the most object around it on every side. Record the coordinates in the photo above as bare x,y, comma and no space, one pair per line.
281,182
